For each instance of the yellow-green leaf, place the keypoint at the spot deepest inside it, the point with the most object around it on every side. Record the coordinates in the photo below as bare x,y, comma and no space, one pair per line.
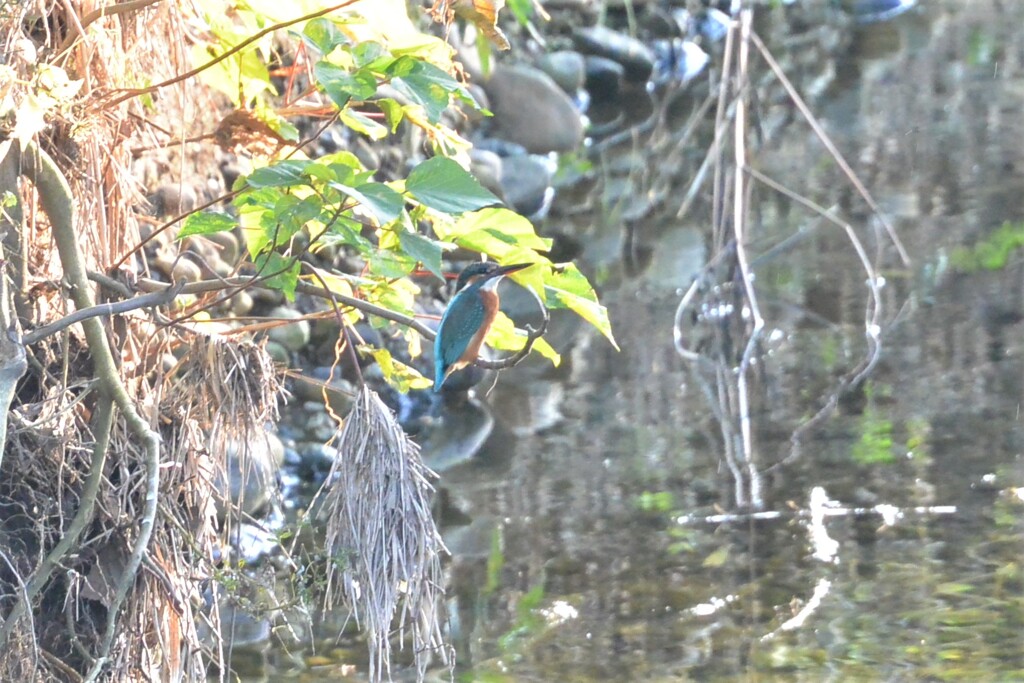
569,288
400,376
505,337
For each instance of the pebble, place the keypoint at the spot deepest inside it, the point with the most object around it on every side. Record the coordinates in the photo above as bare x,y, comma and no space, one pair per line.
293,336
635,57
531,110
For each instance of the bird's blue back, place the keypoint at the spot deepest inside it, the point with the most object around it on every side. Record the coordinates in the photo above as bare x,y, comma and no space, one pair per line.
461,320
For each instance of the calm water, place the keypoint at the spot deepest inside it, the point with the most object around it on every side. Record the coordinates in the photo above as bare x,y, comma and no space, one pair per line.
584,537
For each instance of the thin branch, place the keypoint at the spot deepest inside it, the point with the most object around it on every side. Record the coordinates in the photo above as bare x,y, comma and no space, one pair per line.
830,146
134,92
110,309
78,28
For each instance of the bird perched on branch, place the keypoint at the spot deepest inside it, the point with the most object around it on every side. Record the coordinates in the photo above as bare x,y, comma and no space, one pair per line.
468,318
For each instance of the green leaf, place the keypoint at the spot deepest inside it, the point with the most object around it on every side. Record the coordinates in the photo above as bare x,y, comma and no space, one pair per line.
206,223
427,85
281,273
497,232
390,264
361,123
569,288
371,54
400,376
522,10
443,185
385,204
505,337
324,35
393,112
276,123
423,249
281,174
342,85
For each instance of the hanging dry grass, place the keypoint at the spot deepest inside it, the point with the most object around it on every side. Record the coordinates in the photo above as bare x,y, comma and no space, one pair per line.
384,547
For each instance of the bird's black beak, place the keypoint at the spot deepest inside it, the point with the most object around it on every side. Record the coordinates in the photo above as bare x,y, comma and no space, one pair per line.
505,270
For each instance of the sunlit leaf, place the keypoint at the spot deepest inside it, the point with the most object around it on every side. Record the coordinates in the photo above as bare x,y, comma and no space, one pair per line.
500,233
281,273
280,174
361,123
569,288
445,186
423,249
393,112
323,34
400,376
505,337
206,223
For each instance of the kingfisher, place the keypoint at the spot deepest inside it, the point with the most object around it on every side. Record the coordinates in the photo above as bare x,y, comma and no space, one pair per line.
468,318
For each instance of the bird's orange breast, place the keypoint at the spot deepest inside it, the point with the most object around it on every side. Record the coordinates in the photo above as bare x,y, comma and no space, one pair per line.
489,300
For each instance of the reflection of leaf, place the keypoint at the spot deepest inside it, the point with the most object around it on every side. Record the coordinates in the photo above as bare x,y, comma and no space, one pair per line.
717,558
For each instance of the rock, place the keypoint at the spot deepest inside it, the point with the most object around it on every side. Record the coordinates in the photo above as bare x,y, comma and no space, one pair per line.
526,183
293,336
315,460
634,56
566,68
226,245
186,270
278,353
487,167
241,303
173,199
530,109
458,435
604,78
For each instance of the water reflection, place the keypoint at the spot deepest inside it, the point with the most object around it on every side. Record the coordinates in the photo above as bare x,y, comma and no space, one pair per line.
594,532
924,581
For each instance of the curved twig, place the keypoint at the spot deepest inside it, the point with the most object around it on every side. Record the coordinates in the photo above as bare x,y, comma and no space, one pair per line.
532,335
105,310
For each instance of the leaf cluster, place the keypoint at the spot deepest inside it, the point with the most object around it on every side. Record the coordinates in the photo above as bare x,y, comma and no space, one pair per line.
395,227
